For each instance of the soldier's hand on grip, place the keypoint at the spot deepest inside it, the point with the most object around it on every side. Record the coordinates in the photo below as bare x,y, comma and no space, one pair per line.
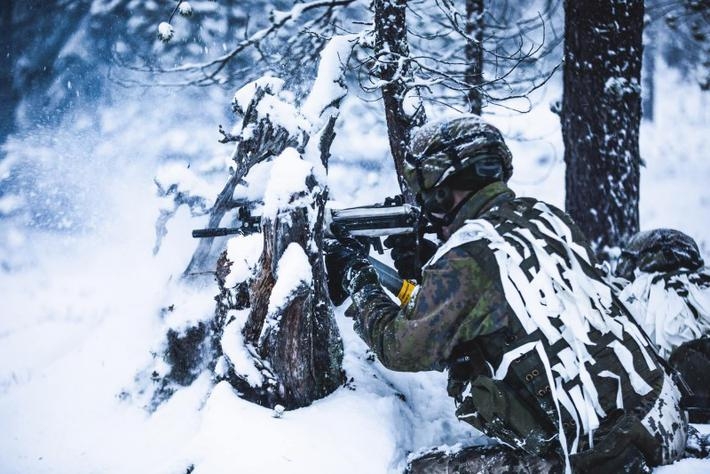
409,254
348,267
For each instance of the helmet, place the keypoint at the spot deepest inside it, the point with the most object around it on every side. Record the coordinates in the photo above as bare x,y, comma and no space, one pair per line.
465,145
659,250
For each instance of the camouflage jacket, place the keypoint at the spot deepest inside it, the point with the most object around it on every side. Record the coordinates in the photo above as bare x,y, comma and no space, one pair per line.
535,343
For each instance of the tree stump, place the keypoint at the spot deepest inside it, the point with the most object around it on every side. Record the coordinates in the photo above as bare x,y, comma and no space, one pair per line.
299,340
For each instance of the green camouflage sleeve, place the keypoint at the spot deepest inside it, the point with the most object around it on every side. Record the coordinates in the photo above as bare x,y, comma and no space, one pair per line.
456,302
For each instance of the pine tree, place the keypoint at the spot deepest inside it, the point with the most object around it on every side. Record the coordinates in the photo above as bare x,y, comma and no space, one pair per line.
601,112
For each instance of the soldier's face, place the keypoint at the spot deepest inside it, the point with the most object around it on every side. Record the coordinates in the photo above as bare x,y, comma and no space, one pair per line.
458,196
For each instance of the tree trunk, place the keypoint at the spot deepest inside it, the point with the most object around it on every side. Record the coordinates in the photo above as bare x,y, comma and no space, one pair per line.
648,91
601,111
474,55
393,67
8,56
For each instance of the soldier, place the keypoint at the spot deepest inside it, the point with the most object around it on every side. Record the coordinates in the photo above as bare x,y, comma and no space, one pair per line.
540,354
666,288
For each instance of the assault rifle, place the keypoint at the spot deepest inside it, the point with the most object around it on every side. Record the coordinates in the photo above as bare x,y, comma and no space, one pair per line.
367,223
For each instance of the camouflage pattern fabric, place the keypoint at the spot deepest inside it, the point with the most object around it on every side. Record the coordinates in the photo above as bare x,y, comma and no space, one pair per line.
616,458
461,319
661,279
691,361
441,148
658,250
498,459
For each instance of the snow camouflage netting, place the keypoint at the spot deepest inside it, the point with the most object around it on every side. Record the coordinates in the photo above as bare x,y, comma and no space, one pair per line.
563,303
671,308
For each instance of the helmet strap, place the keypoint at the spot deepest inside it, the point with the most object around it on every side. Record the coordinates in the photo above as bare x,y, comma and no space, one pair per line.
420,175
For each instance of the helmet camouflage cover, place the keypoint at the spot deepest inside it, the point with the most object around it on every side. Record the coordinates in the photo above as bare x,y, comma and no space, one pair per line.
442,148
659,250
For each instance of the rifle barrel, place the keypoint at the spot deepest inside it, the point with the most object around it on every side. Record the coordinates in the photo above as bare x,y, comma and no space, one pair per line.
215,232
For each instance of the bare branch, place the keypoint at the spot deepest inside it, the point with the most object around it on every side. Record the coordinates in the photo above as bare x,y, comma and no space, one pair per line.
206,73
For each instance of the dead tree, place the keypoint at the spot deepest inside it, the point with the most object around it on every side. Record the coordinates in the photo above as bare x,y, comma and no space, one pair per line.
601,112
297,338
290,330
288,348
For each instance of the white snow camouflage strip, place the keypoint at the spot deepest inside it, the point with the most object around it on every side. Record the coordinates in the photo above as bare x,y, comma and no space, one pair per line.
559,289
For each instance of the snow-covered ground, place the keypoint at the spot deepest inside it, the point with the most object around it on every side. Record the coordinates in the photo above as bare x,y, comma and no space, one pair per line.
80,314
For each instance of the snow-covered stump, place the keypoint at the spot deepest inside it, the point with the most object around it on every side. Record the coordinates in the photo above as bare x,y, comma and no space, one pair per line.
273,335
288,349
291,321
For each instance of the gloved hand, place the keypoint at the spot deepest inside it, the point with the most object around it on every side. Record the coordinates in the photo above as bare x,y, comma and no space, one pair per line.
409,254
348,268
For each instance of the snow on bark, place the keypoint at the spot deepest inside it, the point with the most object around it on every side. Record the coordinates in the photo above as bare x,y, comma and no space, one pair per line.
244,96
403,109
287,183
329,87
243,252
293,273
238,357
601,114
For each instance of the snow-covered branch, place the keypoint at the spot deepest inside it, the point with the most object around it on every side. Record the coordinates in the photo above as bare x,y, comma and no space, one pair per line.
209,70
